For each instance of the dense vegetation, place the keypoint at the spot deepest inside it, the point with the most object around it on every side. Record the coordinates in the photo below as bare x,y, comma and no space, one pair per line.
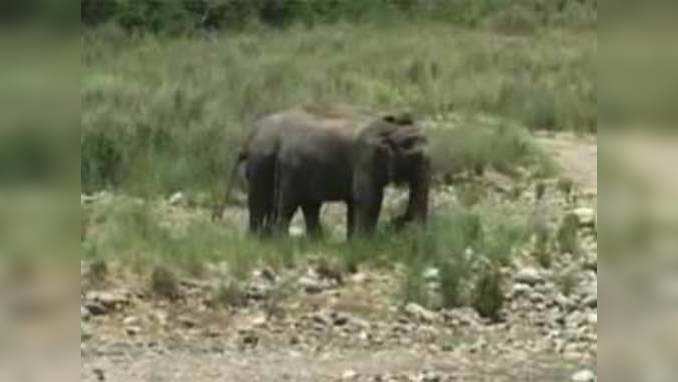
171,107
185,16
169,88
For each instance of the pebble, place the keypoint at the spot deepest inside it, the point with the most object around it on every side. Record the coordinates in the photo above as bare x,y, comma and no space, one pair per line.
529,276
583,376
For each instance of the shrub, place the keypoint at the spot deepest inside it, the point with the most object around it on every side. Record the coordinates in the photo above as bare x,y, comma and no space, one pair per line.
488,298
164,283
567,234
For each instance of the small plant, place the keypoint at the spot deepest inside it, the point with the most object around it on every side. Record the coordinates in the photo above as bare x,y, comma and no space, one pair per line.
451,282
98,271
164,283
230,295
566,282
488,298
565,186
539,190
567,234
541,247
414,288
471,194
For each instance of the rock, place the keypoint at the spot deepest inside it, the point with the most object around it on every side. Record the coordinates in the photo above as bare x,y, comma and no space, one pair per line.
177,198
96,308
110,300
583,376
520,290
131,321
296,231
529,276
419,313
592,318
339,319
99,373
84,313
187,322
132,330
310,285
349,375
590,301
431,274
565,303
429,376
586,216
536,298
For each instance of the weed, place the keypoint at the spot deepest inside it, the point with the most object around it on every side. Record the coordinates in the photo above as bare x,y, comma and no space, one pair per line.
567,234
98,271
566,282
164,283
488,298
230,294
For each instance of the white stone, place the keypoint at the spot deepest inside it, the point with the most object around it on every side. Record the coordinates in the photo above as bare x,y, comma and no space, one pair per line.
177,198
529,276
583,376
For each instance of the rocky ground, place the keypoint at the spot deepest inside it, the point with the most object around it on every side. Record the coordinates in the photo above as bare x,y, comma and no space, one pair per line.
311,324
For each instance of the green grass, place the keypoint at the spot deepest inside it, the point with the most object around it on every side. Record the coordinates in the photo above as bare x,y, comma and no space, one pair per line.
162,114
461,244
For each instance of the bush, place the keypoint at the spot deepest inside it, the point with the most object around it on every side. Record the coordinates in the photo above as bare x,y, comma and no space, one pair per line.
185,15
488,298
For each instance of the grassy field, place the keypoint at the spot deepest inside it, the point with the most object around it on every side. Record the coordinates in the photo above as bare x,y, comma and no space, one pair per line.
162,114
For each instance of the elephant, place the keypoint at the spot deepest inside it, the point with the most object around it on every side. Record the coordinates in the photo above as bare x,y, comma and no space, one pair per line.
305,156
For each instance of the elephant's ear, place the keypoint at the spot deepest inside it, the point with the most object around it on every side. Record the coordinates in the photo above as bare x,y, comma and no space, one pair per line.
399,119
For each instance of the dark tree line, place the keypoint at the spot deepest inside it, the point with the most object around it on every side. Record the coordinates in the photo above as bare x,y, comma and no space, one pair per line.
176,16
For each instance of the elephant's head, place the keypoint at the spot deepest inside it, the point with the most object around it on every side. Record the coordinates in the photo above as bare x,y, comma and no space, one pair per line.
391,149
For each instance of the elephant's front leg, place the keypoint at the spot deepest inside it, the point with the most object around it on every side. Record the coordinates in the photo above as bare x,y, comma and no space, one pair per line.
312,219
350,219
286,201
417,206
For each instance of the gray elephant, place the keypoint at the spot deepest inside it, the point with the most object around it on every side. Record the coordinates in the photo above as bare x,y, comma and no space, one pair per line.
305,156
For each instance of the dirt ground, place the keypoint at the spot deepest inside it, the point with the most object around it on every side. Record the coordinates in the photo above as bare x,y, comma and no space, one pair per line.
246,346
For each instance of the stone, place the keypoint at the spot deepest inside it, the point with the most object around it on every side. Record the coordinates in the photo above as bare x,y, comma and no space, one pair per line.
590,301
187,322
177,198
586,216
583,376
84,313
131,321
520,290
565,303
310,285
529,276
132,330
418,312
96,309
110,300
431,274
349,375
296,231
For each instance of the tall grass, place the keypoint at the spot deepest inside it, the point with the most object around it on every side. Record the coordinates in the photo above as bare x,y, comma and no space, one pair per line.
161,114
462,246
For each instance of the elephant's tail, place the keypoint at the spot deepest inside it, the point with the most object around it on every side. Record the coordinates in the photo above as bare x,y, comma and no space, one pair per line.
219,208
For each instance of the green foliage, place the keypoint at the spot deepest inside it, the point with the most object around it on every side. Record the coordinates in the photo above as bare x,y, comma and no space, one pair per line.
164,114
476,143
164,282
185,16
230,294
567,234
488,297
